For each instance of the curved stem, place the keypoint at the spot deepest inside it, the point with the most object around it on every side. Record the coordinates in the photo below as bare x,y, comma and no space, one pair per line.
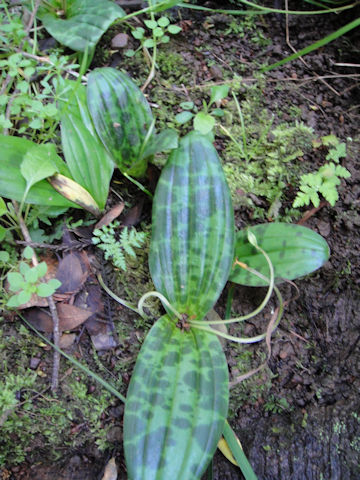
114,296
163,300
255,339
263,304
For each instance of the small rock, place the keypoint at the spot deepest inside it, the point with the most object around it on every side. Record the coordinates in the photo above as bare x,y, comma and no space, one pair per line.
324,228
216,72
34,363
120,40
114,435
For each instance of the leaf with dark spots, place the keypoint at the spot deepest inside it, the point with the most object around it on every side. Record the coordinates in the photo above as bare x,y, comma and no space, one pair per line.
294,251
162,412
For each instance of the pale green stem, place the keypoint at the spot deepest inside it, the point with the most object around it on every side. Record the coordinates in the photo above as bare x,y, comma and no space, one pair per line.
153,59
163,300
147,138
115,297
263,304
138,184
244,340
243,131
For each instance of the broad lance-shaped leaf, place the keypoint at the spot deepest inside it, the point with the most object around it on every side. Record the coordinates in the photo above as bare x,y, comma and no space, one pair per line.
83,22
294,251
13,184
176,404
90,164
37,165
192,244
122,117
74,192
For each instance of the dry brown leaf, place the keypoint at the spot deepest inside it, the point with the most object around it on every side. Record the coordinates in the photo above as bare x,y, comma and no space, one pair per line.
113,213
110,472
70,317
66,340
71,273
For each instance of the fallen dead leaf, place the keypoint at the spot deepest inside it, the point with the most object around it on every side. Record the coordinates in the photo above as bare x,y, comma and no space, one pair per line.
132,217
70,317
71,273
110,216
110,472
66,340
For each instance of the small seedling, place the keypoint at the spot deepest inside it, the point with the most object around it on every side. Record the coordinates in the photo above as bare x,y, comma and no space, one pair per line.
204,120
114,246
29,280
159,29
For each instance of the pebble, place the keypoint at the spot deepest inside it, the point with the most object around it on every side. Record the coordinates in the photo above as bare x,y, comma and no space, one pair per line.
120,40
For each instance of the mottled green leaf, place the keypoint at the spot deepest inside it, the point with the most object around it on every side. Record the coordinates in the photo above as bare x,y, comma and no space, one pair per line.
294,251
176,404
192,245
167,139
13,184
83,22
122,117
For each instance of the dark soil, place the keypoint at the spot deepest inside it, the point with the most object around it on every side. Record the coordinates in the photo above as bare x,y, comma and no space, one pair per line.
315,362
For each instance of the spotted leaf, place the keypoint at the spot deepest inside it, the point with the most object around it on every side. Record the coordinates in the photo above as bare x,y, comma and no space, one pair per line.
294,251
121,116
176,404
192,244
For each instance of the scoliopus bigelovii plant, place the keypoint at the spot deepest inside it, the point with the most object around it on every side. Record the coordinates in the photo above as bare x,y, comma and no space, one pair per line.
177,400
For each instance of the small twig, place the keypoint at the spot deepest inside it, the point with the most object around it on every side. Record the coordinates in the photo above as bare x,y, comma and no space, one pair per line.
311,212
8,112
52,306
48,61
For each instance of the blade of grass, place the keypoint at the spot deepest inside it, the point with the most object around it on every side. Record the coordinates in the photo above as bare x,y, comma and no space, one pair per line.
260,10
238,453
320,43
79,365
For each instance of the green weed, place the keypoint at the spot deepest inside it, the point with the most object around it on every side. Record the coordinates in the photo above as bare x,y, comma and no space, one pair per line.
116,244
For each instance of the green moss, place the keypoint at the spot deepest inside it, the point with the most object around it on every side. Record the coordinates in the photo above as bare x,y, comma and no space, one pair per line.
261,159
172,65
35,424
